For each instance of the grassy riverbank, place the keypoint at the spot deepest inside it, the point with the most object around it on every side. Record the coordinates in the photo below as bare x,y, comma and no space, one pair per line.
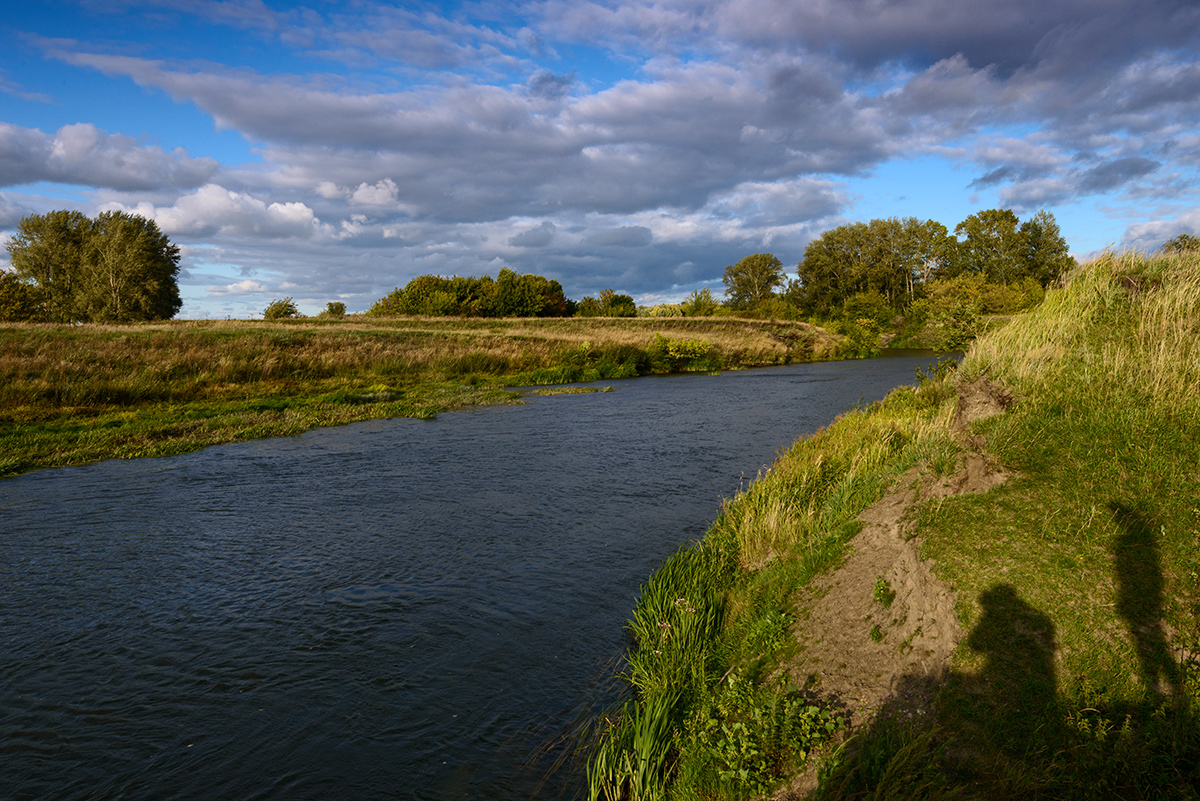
74,394
1077,582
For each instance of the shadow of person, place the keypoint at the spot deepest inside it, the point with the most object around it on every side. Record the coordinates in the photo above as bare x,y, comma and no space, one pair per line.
968,730
1140,599
1016,690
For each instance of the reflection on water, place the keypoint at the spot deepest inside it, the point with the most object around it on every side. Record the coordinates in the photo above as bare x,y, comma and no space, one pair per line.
393,609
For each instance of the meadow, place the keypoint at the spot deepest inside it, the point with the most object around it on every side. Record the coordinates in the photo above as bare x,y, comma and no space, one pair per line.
71,394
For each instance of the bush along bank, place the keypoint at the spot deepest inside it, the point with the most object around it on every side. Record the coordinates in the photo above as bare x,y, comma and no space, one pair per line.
1077,581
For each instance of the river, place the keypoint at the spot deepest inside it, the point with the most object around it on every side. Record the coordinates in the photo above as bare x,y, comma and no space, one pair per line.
395,609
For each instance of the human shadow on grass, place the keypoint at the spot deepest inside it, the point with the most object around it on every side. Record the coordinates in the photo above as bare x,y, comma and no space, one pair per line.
1009,707
1005,731
1140,600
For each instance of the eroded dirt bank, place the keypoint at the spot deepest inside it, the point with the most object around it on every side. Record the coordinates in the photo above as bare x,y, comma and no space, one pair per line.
883,615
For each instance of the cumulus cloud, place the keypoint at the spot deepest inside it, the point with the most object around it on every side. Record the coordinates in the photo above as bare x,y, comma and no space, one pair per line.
1149,236
380,193
246,287
537,237
82,154
213,210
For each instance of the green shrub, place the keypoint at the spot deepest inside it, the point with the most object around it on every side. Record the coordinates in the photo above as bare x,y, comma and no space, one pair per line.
280,310
700,303
671,355
661,310
872,306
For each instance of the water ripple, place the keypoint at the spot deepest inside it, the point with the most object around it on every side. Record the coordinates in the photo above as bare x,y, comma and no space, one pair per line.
396,609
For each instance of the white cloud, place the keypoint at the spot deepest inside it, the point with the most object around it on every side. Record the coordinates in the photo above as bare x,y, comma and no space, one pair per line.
82,154
380,193
247,287
213,210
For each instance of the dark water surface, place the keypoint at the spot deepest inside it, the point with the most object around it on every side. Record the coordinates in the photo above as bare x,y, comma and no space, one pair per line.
394,609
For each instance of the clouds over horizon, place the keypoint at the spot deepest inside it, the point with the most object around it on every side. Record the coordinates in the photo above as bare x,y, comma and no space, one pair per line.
405,141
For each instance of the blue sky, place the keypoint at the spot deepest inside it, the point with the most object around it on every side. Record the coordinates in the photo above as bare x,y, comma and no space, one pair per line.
334,150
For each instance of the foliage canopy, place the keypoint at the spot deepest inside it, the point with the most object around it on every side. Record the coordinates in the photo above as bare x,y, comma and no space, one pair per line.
118,267
899,258
752,281
1181,244
508,295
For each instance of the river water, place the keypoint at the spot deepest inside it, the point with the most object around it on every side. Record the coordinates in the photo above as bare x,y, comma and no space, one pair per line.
395,609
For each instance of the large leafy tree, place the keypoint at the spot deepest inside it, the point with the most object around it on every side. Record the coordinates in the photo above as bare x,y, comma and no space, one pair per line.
118,267
1046,255
610,303
996,245
890,257
991,244
133,270
51,250
752,281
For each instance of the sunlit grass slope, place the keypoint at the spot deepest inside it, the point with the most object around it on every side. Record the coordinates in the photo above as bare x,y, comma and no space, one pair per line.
72,394
1078,581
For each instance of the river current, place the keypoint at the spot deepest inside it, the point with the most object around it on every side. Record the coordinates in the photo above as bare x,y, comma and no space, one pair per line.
395,609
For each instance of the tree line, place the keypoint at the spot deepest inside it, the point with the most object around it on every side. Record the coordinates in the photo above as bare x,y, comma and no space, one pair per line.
508,295
69,268
898,258
120,267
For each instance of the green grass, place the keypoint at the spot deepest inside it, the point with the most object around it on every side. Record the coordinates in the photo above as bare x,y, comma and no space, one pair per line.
74,394
1078,581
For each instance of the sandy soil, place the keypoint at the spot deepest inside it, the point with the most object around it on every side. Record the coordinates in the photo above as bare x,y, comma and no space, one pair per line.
854,649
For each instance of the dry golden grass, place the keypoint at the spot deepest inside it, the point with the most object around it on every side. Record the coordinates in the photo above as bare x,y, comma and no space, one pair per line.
138,381
1150,306
207,359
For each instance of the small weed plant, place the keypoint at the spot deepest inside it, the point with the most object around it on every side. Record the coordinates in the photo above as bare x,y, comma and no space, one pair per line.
883,593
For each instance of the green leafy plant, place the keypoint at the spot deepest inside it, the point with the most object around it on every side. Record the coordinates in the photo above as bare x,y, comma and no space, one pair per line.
883,593
281,310
670,354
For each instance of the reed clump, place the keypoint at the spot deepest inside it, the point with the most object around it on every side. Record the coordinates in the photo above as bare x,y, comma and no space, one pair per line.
712,623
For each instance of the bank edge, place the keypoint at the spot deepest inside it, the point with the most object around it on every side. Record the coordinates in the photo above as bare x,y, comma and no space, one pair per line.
1077,581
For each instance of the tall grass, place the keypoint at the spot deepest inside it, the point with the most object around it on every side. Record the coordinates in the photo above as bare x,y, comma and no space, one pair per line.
57,381
711,623
1078,580
1125,325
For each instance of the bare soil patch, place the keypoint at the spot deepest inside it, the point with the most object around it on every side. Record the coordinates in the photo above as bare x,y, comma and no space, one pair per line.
855,647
